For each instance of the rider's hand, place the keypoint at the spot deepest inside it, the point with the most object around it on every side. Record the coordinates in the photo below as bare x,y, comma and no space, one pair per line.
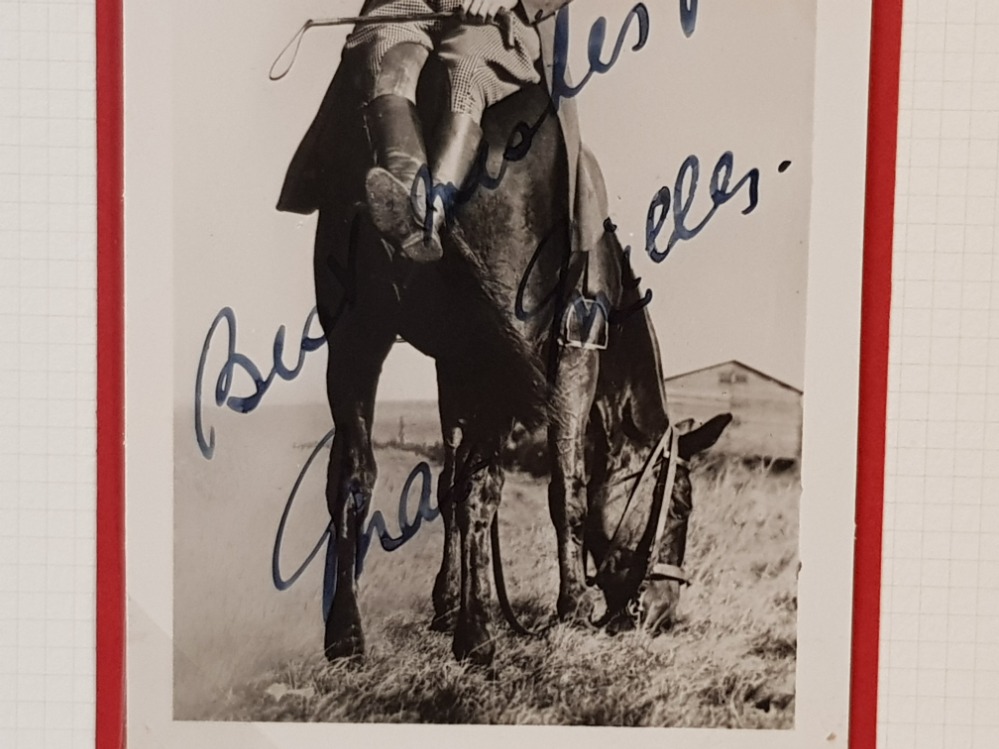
487,9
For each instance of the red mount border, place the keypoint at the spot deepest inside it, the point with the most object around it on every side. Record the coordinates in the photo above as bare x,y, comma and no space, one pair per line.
110,725
878,230
882,148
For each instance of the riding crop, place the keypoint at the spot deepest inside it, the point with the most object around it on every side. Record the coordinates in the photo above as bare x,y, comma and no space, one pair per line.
503,19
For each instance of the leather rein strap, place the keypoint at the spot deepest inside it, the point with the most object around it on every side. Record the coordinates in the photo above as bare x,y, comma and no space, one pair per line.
662,569
667,448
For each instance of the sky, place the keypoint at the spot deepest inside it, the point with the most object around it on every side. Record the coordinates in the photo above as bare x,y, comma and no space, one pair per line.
741,83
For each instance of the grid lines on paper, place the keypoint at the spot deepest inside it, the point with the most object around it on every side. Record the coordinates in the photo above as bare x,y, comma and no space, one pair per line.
939,682
47,374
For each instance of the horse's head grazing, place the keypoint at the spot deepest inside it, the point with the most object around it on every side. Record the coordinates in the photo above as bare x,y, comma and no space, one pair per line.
659,594
639,556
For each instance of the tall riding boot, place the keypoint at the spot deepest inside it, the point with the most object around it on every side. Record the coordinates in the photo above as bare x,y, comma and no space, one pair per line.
401,191
458,138
396,196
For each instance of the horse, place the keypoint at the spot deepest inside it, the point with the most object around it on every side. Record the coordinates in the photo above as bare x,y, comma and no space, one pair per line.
493,313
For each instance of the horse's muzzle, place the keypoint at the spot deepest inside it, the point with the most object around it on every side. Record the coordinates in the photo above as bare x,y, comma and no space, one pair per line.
655,609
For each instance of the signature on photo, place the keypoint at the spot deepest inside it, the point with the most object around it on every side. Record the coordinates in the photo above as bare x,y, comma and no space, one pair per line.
669,208
375,528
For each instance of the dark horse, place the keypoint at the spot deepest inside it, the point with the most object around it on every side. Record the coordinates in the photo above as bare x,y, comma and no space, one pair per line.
490,313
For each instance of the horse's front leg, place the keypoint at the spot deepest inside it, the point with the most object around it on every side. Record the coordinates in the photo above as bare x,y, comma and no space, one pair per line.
350,481
574,391
355,359
446,595
479,482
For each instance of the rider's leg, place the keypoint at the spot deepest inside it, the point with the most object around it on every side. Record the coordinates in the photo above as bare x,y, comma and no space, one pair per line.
394,187
481,71
390,59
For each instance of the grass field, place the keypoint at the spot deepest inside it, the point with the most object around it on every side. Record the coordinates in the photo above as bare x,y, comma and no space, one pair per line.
252,653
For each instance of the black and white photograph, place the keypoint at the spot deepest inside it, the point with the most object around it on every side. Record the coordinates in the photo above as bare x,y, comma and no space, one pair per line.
502,365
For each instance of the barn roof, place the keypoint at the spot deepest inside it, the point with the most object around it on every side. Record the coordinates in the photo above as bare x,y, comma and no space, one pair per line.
737,363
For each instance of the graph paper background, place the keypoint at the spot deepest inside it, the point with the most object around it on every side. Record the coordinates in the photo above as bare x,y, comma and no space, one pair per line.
47,334
940,642
939,685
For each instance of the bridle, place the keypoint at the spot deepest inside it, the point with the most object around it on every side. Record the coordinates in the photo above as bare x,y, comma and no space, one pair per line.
668,449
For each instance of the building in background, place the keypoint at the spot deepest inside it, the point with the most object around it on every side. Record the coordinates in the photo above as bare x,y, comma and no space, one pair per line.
766,412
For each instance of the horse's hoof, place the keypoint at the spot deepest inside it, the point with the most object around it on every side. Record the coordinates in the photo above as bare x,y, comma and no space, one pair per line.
477,650
618,625
344,649
344,637
576,610
443,622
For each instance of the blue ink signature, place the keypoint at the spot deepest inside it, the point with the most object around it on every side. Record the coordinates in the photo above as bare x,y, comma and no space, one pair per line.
684,191
688,17
236,362
376,528
586,310
519,143
561,88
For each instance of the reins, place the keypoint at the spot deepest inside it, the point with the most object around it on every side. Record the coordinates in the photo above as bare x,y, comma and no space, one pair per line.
501,594
657,568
